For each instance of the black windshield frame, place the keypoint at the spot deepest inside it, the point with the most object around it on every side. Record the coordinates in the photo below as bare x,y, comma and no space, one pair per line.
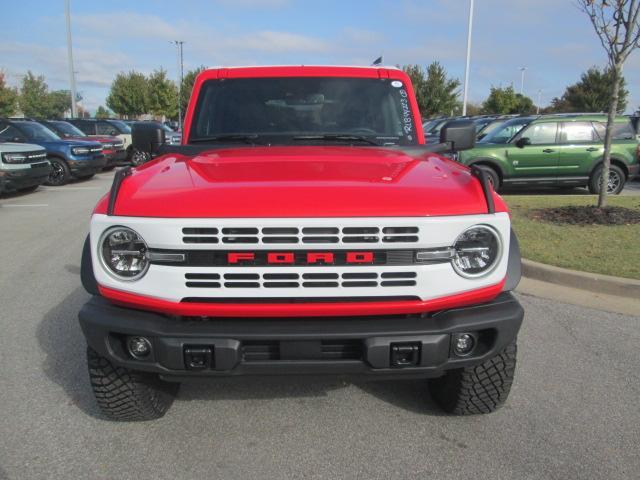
280,109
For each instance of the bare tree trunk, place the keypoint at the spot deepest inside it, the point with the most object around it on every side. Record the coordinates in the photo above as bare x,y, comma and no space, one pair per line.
613,110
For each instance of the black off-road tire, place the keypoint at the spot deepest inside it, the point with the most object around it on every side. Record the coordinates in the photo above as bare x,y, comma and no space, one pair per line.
493,176
480,389
126,395
594,180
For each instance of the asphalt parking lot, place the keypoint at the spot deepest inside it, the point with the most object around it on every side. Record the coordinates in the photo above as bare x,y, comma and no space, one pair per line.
573,411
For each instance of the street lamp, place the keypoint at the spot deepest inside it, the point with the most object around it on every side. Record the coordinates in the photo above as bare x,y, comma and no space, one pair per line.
466,68
179,43
539,101
72,77
522,70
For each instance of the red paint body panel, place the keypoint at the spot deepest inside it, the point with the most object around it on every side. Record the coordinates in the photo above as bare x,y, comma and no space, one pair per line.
300,309
301,181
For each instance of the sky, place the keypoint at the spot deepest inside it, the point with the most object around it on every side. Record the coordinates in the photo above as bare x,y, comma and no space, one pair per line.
551,38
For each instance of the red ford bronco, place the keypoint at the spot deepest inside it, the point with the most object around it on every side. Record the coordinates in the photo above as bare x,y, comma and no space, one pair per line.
302,227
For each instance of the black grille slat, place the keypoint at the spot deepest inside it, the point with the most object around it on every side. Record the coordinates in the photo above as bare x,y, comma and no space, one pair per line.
200,239
241,285
280,276
319,276
320,284
320,231
202,276
368,239
256,351
400,238
239,239
399,230
279,240
200,231
241,276
240,231
320,239
359,230
359,284
399,275
399,283
203,284
279,231
281,284
360,275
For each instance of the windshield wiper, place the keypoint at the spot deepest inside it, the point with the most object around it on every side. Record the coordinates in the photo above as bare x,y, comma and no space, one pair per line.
341,137
231,137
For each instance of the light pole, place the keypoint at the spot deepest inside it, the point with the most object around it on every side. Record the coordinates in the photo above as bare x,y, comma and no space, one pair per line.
466,68
72,77
539,101
179,43
522,70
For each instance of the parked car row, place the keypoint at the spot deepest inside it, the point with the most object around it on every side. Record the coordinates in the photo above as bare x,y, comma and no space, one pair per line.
562,150
52,152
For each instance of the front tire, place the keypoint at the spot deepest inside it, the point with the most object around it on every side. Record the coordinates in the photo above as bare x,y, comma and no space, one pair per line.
479,389
617,180
493,176
60,173
126,395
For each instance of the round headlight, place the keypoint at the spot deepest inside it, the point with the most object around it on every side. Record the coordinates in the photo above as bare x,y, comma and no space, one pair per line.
123,253
477,251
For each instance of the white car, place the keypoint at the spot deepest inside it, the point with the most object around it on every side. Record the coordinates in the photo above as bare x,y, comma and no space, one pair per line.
23,166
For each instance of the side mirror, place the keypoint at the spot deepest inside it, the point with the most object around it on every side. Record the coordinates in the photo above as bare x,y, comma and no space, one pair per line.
147,137
461,134
523,142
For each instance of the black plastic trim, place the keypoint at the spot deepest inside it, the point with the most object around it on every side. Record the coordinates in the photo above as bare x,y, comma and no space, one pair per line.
87,276
115,188
486,187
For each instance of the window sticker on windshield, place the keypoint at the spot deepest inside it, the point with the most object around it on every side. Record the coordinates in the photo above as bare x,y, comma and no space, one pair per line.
406,113
396,83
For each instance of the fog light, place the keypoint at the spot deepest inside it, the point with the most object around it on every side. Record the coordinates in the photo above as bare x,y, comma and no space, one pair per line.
139,347
463,344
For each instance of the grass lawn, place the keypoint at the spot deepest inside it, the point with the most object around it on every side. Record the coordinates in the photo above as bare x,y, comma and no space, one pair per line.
610,250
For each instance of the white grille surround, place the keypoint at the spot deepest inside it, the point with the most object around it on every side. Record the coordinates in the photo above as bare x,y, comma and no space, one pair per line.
169,282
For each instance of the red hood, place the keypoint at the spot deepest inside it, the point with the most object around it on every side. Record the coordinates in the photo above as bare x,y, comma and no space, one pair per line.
300,182
92,138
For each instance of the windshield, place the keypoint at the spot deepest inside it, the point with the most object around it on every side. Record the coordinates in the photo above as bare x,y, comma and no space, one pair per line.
283,110
65,129
506,130
120,125
36,132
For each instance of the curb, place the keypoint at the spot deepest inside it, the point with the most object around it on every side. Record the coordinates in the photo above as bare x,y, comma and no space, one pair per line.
592,282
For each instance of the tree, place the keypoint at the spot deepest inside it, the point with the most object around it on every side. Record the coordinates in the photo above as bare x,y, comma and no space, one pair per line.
617,24
163,95
8,98
102,112
506,101
591,94
34,96
435,92
187,86
129,94
58,102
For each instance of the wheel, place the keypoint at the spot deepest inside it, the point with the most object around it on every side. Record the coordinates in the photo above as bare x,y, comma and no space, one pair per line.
480,389
617,179
138,157
60,173
124,394
494,178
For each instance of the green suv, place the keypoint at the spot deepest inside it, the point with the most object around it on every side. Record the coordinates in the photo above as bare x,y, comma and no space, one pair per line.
556,150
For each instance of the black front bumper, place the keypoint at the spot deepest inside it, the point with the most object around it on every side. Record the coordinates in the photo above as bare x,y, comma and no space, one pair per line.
264,346
90,166
34,174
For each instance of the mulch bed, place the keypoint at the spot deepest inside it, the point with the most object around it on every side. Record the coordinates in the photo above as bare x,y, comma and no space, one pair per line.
587,215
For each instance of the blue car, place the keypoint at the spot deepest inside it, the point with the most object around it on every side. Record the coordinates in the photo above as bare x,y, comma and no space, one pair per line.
69,158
